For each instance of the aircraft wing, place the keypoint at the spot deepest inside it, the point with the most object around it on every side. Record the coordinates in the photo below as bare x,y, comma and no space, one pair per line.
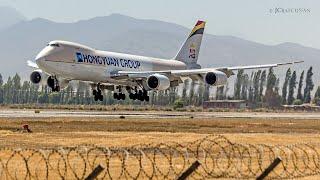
32,64
192,72
261,66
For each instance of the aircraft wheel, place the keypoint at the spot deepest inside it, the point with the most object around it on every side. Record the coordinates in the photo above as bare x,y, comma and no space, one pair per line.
94,92
146,98
96,98
101,97
135,96
115,96
130,96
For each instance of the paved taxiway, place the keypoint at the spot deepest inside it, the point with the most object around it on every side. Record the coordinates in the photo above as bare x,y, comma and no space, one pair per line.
155,114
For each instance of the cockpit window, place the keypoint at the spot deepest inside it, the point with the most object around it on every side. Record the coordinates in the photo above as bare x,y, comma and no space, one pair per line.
54,45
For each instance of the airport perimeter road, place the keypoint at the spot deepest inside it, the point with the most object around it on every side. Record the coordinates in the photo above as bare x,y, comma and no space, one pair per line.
156,114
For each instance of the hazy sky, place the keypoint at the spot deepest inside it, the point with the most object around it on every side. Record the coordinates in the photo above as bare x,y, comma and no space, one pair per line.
268,21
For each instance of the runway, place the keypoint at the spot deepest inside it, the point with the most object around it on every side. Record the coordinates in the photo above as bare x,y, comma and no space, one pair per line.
14,113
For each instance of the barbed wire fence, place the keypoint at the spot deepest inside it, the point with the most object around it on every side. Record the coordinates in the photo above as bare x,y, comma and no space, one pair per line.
214,157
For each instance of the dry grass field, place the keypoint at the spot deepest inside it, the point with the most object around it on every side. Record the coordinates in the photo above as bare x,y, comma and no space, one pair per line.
52,132
119,132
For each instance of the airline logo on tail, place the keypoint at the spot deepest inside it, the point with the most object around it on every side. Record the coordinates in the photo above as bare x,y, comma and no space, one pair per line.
192,51
198,28
189,51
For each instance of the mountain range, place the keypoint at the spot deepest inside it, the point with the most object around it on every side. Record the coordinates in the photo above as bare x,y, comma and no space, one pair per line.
22,39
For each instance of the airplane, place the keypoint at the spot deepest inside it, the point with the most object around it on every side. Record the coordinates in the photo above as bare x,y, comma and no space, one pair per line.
62,61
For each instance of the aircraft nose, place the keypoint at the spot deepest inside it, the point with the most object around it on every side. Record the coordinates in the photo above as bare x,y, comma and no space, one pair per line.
40,58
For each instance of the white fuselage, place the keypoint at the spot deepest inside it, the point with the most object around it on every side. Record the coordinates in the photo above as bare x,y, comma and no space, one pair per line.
78,62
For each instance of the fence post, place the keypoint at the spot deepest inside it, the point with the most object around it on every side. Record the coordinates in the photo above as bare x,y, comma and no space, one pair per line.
270,168
95,173
194,166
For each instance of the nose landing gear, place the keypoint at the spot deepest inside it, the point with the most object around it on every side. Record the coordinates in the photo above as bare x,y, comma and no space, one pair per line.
53,83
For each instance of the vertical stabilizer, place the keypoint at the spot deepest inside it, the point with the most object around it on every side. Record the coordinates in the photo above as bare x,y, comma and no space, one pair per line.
189,51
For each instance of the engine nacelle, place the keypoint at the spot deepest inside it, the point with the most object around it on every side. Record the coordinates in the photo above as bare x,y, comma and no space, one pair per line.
158,82
38,76
216,78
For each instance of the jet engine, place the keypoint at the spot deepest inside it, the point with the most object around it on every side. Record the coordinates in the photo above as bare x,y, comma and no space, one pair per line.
38,76
215,78
158,82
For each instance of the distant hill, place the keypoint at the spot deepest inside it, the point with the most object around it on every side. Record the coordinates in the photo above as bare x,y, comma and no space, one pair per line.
22,41
9,16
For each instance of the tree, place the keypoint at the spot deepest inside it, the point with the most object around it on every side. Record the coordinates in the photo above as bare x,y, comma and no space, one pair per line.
184,89
251,89
8,91
1,80
271,80
44,95
16,88
25,89
317,97
172,94
292,86
285,86
272,97
262,83
226,89
192,92
201,90
244,88
1,89
299,93
276,86
219,93
206,92
238,84
317,94
256,84
309,86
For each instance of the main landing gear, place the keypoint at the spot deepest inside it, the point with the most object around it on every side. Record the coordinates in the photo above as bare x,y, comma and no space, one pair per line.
120,95
97,93
134,94
141,95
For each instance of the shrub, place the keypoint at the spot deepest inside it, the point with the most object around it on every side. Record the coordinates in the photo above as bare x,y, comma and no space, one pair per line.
181,109
297,102
317,101
179,103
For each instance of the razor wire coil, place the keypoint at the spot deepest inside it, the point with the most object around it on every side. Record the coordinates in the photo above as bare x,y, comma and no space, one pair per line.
219,158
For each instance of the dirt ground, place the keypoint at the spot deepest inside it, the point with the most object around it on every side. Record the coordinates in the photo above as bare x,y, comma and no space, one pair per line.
53,132
48,132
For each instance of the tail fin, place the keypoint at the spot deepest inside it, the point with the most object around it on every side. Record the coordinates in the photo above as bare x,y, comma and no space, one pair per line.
189,51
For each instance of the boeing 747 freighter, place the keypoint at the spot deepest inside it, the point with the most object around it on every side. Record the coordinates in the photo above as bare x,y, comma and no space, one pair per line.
61,61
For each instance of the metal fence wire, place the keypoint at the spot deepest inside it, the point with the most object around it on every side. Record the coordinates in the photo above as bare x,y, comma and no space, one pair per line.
219,158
